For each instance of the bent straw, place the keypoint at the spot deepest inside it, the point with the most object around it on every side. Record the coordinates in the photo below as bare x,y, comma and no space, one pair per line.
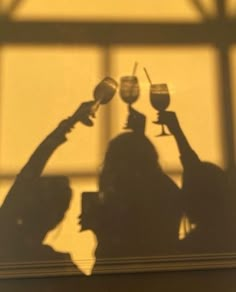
148,77
135,68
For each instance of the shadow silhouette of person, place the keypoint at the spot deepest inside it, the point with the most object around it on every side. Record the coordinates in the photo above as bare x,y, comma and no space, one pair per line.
206,198
137,213
37,204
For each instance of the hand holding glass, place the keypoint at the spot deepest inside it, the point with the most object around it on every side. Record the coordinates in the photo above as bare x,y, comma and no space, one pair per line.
103,93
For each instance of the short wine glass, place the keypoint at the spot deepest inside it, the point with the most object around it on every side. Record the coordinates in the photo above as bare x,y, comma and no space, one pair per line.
129,91
104,92
160,100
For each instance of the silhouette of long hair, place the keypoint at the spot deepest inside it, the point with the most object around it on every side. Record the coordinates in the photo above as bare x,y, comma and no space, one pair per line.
207,199
30,212
130,159
208,205
51,193
140,213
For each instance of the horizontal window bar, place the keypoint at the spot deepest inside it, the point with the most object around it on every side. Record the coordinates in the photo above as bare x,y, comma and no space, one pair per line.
54,32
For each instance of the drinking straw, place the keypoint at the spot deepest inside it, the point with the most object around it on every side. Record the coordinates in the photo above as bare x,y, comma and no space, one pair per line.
148,77
135,68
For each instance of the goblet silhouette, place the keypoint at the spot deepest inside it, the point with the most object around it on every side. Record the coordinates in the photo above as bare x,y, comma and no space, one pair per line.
129,91
103,93
160,100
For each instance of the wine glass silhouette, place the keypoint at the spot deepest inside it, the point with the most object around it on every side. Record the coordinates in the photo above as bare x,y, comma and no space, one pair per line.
103,92
160,100
129,91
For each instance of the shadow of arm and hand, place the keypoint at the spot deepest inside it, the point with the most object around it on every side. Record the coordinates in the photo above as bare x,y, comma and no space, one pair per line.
37,162
36,204
205,197
188,156
136,121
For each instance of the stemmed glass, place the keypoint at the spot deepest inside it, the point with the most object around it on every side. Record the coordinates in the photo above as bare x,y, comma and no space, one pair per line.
103,92
160,100
129,91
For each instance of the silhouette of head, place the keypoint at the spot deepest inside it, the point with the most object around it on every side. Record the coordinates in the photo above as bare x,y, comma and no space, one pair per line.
44,210
130,157
208,199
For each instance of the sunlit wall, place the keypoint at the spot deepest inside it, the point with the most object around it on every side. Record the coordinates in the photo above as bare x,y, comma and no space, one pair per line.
41,85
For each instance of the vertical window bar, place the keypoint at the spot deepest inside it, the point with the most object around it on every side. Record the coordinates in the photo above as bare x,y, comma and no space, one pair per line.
226,104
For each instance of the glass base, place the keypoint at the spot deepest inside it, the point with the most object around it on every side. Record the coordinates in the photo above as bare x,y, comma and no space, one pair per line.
163,134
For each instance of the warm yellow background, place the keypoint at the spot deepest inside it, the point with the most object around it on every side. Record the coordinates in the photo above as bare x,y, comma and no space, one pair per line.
42,85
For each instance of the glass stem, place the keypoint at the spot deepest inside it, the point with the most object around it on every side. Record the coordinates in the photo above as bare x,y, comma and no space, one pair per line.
163,132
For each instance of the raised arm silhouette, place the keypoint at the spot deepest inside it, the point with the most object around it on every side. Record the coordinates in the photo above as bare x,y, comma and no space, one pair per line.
36,204
206,197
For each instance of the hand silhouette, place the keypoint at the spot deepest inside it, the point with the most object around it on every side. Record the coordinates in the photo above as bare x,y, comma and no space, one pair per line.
170,120
136,121
83,113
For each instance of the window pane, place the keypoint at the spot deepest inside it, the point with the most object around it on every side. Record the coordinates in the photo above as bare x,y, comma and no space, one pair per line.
147,10
40,87
191,75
